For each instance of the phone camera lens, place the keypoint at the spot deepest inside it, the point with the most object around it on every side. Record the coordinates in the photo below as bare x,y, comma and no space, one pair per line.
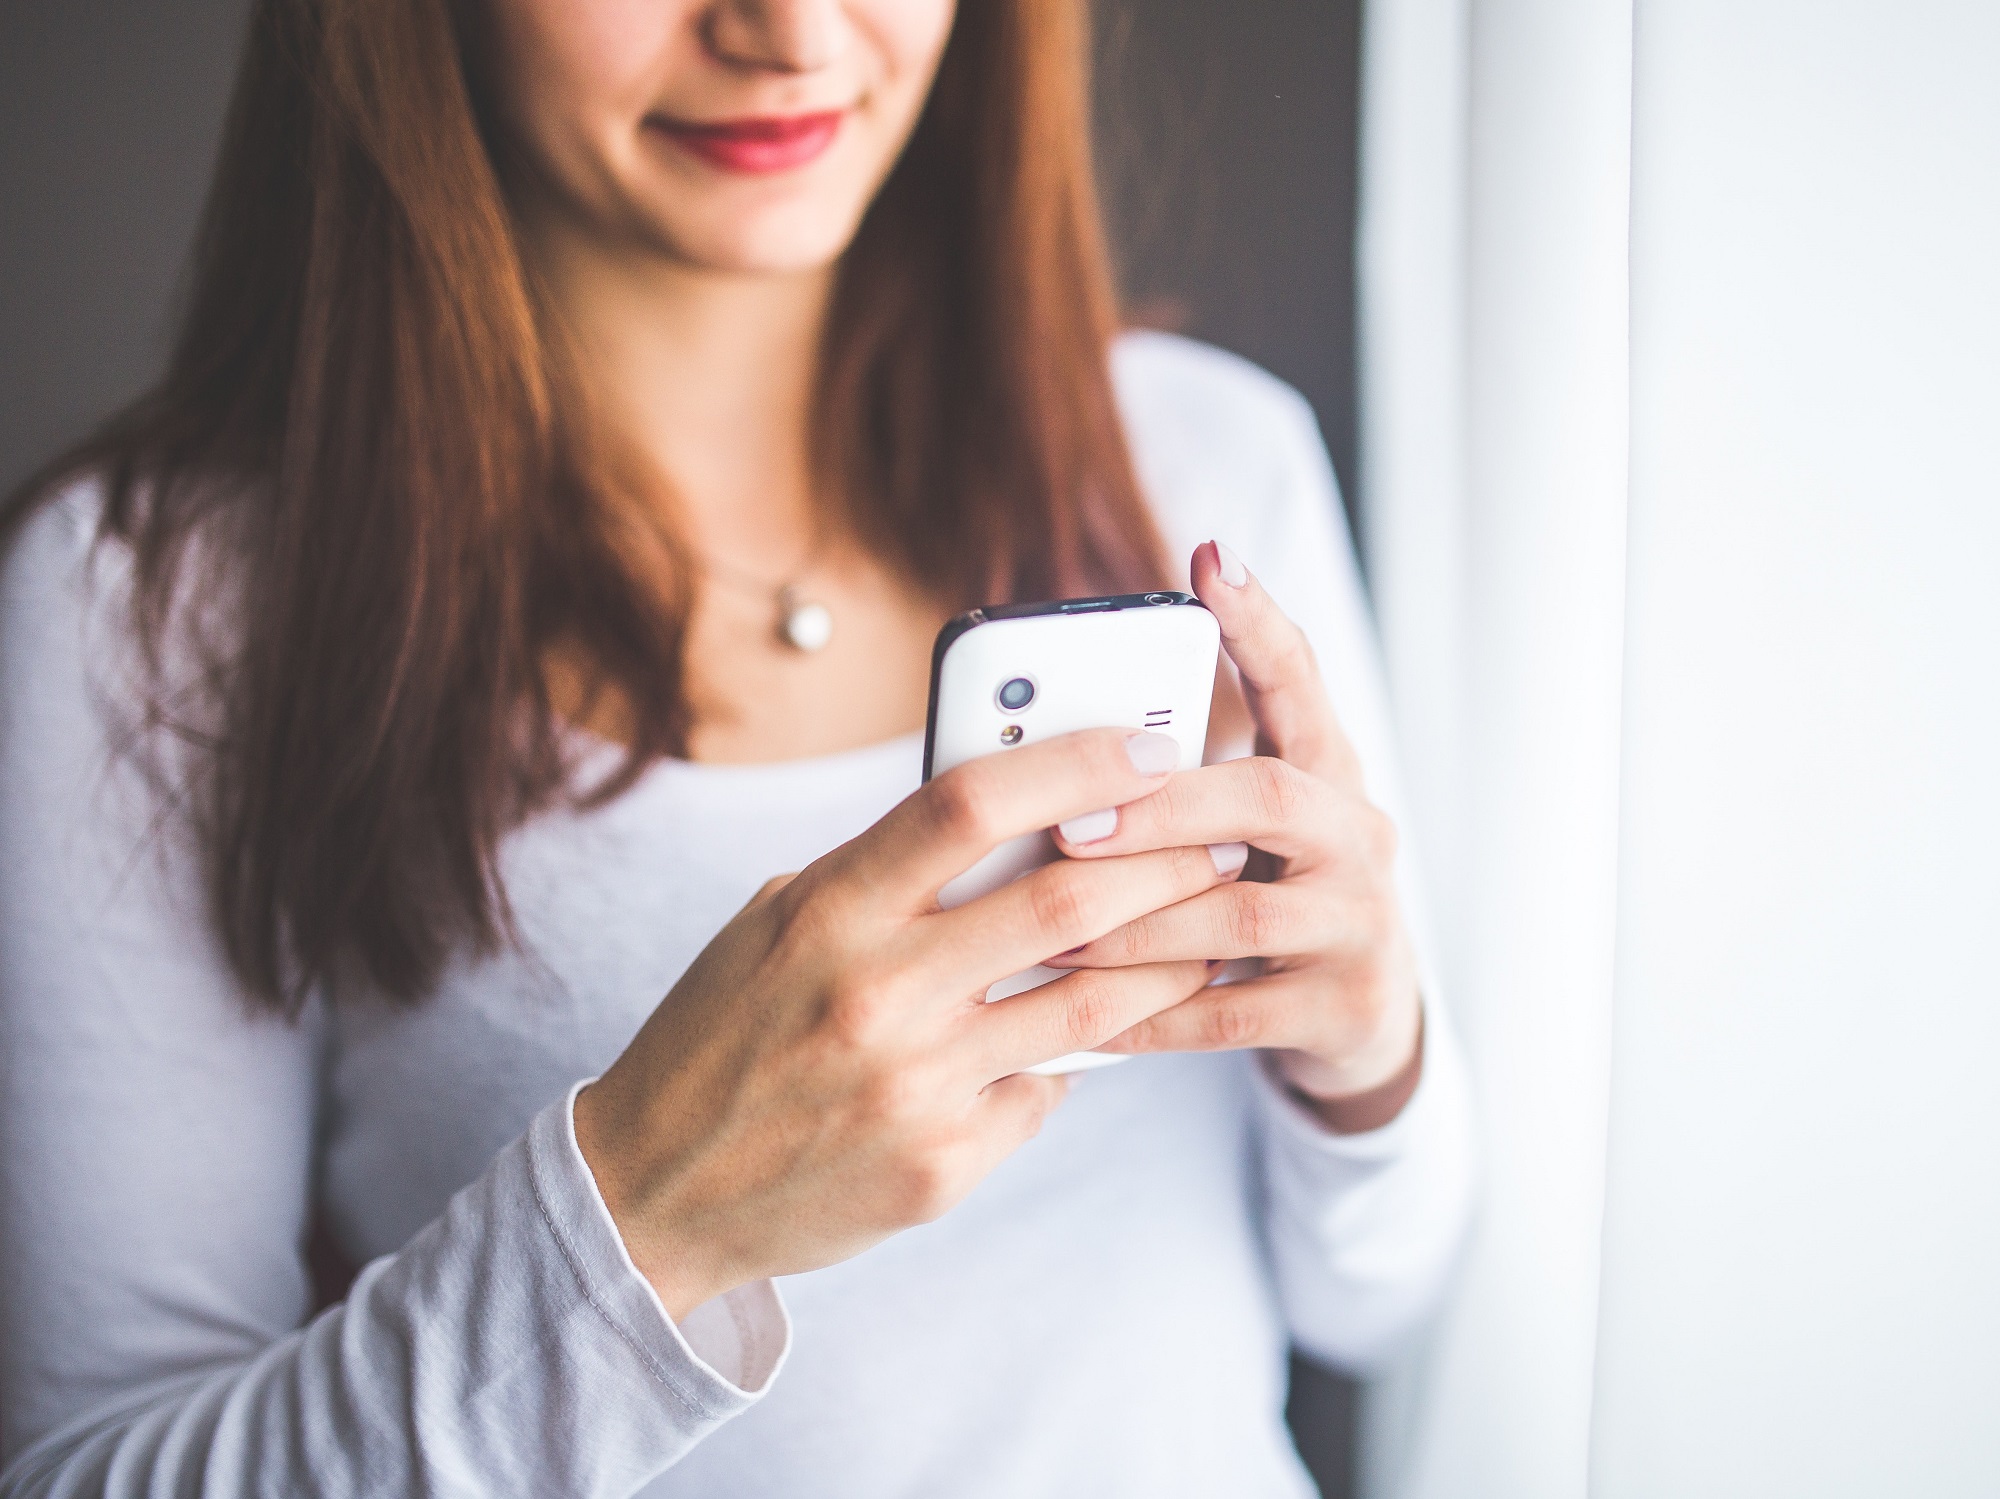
1159,598
1015,694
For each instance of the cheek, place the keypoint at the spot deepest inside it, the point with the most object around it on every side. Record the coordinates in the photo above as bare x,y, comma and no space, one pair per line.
565,68
913,28
908,36
905,40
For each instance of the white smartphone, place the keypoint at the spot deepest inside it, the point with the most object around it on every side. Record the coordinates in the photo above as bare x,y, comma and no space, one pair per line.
1009,675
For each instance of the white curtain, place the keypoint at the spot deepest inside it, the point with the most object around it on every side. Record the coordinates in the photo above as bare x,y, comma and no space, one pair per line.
1493,253
1732,336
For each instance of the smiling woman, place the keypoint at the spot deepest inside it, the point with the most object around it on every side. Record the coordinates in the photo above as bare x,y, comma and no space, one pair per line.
675,395
411,716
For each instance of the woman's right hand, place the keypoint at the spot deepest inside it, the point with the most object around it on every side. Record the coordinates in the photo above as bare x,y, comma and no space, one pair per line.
827,1071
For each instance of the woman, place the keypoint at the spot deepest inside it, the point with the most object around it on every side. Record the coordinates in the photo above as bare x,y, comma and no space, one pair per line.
554,371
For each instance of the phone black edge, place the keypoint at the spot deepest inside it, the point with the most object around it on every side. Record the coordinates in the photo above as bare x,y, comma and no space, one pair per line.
972,619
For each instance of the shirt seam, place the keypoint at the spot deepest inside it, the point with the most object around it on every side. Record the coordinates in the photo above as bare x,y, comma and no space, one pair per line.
748,1335
695,1403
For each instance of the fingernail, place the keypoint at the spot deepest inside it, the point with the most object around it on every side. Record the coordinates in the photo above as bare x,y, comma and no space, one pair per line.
1152,755
1234,573
1229,857
1091,827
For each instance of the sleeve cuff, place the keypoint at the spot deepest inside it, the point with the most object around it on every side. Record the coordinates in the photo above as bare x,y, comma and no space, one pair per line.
1293,1123
1365,1227
724,1354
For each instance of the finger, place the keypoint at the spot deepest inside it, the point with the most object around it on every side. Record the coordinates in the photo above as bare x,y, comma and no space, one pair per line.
1272,1011
1010,1112
1078,1012
1281,681
1060,906
949,824
1261,800
1002,1117
1247,919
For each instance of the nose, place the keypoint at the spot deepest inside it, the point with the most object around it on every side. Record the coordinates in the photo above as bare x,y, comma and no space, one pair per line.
786,36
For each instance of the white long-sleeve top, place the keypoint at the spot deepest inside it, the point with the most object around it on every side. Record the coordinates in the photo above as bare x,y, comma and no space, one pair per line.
1107,1314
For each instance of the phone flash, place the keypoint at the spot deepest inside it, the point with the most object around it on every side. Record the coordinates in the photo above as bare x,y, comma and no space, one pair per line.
1011,734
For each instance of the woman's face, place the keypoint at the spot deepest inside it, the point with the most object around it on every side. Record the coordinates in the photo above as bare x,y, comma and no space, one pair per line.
737,135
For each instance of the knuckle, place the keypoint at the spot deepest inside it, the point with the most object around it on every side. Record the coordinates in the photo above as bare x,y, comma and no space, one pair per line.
968,804
1090,1009
1230,1024
1278,791
1192,867
858,1013
1062,899
928,1185
1174,806
1257,918
1121,945
810,912
1141,1035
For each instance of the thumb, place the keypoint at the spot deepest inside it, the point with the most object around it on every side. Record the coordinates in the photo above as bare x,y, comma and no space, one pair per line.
1281,681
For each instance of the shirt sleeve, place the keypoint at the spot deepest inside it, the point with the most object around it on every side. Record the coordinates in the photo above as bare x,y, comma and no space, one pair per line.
1363,1229
156,1172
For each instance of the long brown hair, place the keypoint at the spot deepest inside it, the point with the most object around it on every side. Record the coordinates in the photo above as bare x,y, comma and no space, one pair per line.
366,420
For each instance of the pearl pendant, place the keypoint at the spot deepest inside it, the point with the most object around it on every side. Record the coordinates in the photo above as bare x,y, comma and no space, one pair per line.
805,626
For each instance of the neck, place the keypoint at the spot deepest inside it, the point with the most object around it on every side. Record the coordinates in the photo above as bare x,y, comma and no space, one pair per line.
711,376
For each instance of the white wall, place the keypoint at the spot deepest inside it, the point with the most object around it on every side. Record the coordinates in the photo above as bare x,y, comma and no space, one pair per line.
1802,1245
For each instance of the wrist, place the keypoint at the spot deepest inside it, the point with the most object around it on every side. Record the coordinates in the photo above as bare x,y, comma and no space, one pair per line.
669,1261
1366,1094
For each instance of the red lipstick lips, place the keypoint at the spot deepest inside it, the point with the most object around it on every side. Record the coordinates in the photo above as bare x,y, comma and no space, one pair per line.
768,143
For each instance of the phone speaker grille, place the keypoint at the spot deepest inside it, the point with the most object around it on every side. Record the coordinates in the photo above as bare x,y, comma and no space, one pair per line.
1159,718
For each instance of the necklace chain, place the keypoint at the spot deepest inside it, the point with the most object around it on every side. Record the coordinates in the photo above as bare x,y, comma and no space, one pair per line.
726,572
802,623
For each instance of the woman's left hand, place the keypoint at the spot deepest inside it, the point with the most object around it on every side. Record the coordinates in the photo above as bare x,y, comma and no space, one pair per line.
1337,1002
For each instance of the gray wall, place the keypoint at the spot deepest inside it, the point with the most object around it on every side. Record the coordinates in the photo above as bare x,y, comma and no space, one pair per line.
109,112
1229,161
1228,150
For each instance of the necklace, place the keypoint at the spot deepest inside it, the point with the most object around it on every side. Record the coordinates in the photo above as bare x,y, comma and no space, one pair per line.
802,623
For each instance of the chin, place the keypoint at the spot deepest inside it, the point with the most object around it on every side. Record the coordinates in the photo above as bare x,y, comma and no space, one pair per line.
775,240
